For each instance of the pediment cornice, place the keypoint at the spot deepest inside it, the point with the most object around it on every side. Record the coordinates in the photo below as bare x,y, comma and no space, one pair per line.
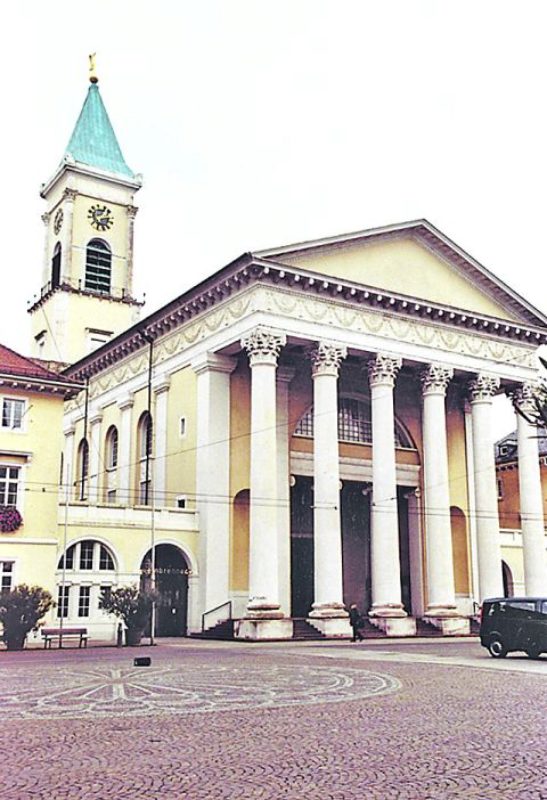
236,279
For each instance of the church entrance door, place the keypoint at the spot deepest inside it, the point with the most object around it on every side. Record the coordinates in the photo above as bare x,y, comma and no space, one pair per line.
172,586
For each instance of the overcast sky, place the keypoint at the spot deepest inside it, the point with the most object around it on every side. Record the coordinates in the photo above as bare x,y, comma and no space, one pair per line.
263,123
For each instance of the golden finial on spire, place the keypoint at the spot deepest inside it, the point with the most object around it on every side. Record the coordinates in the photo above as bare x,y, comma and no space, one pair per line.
92,74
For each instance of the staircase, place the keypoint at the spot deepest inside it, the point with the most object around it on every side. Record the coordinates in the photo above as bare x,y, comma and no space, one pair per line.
424,628
303,631
222,630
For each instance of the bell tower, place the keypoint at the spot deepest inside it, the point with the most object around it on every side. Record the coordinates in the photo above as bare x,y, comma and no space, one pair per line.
86,294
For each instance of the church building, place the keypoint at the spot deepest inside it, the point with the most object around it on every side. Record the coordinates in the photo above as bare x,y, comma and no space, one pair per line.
309,427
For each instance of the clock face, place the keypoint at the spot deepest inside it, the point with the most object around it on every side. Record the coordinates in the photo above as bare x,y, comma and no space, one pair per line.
58,221
100,217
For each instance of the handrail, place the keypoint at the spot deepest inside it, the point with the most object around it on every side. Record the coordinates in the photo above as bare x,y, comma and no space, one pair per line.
217,608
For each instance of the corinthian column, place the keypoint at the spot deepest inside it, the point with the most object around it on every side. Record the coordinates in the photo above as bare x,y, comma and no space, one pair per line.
481,391
328,613
440,567
531,500
264,618
385,560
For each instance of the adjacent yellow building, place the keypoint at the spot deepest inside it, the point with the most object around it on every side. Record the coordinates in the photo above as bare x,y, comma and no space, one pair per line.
31,401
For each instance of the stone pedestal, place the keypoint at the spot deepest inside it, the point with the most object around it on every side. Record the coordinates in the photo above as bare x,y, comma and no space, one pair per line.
395,626
260,630
450,626
333,627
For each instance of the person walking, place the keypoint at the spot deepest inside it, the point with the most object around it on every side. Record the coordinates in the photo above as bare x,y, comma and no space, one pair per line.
355,622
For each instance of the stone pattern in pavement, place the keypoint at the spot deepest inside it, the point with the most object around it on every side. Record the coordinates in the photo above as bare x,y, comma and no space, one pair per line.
440,733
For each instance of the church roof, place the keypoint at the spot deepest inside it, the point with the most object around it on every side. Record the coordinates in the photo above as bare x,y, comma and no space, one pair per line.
93,141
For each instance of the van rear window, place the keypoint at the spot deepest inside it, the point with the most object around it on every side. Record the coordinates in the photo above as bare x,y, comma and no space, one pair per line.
517,605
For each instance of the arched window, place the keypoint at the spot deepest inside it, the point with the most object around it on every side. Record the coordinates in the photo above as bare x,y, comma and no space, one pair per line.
354,424
91,570
98,266
145,451
83,469
112,448
56,266
111,461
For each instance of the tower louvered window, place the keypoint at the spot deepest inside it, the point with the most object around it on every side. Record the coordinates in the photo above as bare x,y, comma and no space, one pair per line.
98,267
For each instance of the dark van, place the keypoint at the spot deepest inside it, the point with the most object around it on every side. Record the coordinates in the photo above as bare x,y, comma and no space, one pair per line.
514,623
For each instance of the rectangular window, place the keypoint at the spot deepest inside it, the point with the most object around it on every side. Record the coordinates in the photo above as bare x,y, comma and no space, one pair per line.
9,481
12,414
62,601
500,489
181,501
6,576
86,555
83,601
182,427
111,496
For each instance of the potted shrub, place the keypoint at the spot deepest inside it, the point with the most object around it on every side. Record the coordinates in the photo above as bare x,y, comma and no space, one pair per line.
21,611
133,606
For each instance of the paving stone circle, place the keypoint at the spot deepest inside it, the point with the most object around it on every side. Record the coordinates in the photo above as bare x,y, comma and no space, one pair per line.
80,691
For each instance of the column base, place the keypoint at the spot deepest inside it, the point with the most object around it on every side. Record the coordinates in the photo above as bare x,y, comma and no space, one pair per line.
387,610
395,626
260,608
333,627
328,611
256,630
450,626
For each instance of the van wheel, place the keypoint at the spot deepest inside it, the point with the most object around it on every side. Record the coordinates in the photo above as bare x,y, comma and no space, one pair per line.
533,650
497,649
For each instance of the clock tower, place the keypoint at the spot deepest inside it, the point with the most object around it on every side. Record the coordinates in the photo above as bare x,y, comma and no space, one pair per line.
86,294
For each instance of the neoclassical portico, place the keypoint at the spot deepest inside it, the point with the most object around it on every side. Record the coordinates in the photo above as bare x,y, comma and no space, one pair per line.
332,375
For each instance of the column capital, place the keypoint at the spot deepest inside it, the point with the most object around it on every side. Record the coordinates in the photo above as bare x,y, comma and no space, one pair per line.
70,195
326,358
435,378
383,369
525,396
213,362
132,211
126,402
483,387
70,430
162,384
96,418
263,345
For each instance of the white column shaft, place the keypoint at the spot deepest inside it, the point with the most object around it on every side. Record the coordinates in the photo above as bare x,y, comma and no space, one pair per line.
531,510
440,566
327,526
160,445
385,558
124,495
95,461
488,537
284,376
263,556
213,477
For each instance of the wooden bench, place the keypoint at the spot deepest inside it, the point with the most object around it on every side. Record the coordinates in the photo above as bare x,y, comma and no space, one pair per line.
49,634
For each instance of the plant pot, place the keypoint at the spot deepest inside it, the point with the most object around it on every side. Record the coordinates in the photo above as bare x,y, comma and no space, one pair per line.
16,641
133,637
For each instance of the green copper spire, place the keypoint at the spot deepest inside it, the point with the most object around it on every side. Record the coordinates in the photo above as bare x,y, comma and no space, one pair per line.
93,141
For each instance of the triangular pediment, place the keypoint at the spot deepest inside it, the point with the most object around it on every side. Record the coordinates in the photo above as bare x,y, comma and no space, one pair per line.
412,259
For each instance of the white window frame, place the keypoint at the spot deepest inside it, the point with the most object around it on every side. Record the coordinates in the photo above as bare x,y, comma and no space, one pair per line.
11,572
10,427
20,485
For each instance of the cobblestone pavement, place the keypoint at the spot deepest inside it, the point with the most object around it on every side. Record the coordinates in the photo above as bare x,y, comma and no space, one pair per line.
283,722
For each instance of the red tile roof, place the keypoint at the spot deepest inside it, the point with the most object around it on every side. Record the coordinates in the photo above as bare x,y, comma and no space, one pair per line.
11,363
